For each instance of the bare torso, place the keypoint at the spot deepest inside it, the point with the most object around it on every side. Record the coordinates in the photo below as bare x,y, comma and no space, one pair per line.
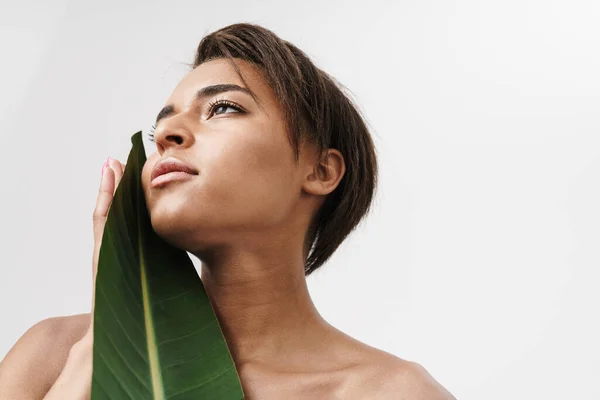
358,372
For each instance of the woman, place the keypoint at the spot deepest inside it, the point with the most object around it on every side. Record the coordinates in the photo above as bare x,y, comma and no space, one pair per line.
280,169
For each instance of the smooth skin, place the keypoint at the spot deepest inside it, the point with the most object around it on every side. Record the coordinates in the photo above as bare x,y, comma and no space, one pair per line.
245,215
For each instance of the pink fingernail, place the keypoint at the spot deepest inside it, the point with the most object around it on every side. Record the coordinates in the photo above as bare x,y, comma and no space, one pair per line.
104,166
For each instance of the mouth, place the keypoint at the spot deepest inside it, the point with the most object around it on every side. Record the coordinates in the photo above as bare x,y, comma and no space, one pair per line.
163,179
169,170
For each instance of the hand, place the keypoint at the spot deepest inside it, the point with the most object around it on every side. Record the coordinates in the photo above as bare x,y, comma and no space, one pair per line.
75,380
108,185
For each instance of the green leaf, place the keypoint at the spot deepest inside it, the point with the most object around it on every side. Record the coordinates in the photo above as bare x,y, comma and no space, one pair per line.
156,335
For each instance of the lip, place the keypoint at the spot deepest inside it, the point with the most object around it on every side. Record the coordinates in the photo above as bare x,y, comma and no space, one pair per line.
163,179
172,166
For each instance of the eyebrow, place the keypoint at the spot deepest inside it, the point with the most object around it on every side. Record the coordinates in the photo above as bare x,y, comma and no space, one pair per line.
202,94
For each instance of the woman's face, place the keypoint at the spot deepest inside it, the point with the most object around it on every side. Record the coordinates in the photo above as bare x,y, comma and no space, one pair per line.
248,184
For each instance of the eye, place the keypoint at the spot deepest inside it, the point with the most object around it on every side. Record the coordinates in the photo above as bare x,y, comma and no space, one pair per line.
217,105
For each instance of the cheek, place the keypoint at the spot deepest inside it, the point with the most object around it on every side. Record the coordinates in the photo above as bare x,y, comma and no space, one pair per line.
252,179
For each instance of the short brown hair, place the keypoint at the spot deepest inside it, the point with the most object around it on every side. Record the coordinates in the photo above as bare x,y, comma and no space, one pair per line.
315,109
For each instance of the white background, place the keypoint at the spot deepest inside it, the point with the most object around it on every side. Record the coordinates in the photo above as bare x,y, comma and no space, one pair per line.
480,259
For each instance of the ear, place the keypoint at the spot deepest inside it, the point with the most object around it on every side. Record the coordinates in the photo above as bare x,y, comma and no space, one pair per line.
326,174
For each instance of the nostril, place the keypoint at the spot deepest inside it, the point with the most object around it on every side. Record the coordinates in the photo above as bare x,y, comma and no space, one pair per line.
178,139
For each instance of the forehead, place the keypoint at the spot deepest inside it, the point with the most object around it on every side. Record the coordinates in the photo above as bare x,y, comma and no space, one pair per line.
220,71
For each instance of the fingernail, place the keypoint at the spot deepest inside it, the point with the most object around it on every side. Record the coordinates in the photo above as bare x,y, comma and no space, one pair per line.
104,166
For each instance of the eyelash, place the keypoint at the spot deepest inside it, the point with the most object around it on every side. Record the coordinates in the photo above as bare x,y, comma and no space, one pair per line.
214,104
211,108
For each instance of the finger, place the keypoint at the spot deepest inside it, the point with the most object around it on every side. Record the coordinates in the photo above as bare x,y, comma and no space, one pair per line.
122,170
103,201
117,167
105,196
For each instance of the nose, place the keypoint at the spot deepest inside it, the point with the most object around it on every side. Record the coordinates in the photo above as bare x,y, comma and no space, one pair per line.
172,133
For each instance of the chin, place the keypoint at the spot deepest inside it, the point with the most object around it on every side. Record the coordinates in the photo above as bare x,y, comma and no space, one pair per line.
167,223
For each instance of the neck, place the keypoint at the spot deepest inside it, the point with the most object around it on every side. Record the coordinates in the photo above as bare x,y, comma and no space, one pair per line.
263,306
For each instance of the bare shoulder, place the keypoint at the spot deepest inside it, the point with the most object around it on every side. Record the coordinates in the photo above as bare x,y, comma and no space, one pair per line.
385,376
35,361
411,381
